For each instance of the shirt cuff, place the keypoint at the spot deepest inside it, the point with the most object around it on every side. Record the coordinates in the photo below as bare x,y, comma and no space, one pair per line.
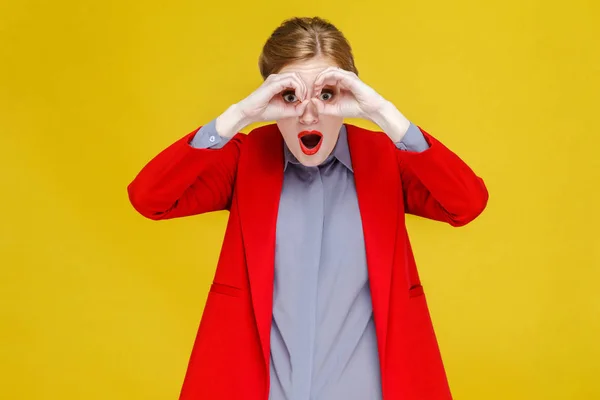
413,140
207,137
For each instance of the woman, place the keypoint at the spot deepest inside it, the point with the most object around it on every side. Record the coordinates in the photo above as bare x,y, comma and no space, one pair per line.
316,293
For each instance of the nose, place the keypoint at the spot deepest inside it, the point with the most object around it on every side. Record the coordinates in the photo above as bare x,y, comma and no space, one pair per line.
310,115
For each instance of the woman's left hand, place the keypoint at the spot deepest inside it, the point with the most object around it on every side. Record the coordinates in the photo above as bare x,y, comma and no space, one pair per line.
352,98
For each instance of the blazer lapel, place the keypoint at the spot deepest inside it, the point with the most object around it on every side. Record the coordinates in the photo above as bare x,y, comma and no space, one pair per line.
377,182
260,179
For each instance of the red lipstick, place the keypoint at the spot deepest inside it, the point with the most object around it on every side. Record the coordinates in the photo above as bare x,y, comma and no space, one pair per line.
310,142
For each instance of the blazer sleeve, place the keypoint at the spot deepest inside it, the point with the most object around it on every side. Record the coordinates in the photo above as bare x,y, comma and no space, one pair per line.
184,179
438,185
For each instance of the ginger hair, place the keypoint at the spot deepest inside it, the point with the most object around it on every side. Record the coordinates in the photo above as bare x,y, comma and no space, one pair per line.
302,38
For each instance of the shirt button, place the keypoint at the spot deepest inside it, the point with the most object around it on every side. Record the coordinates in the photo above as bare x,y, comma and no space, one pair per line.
212,139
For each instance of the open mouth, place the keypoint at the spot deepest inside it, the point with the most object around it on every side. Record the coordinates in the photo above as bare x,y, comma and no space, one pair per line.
310,141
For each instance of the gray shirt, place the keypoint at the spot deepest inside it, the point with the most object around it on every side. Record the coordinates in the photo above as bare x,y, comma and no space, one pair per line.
323,343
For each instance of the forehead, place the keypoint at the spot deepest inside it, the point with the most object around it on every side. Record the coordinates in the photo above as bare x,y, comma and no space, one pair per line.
309,69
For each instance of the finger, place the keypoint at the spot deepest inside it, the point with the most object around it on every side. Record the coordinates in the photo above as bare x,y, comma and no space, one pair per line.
338,78
290,110
320,106
330,81
300,89
304,93
324,78
300,108
280,85
296,83
326,108
327,72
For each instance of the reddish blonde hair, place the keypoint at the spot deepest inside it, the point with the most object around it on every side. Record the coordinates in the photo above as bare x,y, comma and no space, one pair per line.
300,39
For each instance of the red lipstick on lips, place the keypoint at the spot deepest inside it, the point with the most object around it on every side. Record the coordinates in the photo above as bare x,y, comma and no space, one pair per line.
310,142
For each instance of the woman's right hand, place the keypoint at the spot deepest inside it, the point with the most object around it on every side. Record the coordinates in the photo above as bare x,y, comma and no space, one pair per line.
280,96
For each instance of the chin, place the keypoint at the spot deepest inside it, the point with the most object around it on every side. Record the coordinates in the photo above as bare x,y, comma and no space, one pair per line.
311,161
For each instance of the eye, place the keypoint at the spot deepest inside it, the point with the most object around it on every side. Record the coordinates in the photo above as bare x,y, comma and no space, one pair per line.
326,95
289,97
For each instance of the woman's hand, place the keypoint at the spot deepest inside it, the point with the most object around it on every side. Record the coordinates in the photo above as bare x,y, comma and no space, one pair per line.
280,96
352,98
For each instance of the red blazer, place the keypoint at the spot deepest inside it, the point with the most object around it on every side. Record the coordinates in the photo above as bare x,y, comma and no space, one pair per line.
230,356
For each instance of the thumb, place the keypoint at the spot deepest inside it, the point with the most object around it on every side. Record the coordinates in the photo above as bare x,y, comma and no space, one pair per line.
320,106
301,107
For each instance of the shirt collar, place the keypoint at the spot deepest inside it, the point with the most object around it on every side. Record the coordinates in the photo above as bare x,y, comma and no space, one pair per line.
341,152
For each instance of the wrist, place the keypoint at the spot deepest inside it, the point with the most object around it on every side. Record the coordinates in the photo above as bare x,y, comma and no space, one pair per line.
231,122
391,121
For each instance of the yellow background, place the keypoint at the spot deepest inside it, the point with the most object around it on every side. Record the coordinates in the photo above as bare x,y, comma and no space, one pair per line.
99,303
